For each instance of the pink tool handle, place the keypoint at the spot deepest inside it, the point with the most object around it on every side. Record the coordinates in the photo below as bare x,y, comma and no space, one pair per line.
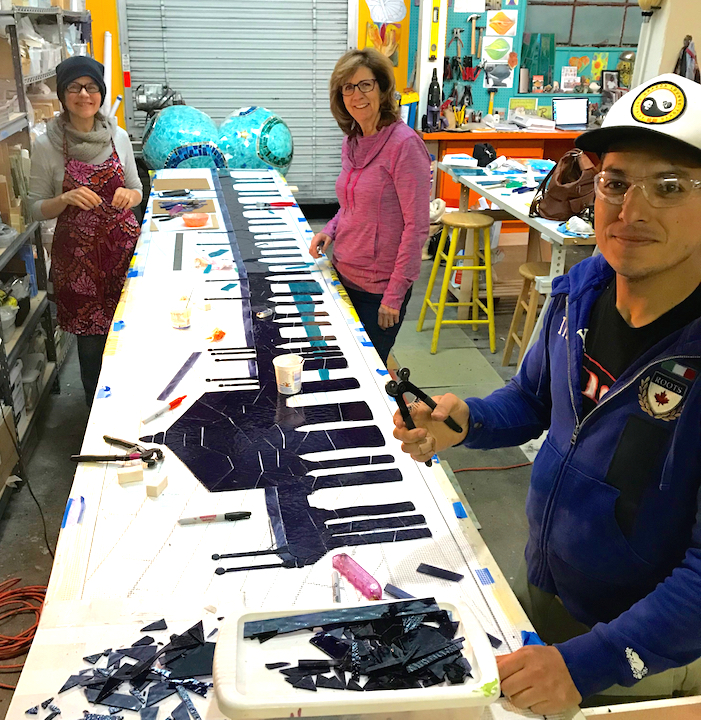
360,579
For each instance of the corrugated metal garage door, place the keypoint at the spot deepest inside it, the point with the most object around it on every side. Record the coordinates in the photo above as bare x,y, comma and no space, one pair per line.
226,54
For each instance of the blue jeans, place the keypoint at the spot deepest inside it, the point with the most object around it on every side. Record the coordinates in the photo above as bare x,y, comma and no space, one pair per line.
367,305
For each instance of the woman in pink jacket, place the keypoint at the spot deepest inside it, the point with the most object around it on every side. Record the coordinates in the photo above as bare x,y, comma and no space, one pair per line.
384,192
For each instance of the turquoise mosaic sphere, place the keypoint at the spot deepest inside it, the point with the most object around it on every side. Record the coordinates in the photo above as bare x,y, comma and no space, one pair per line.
254,137
184,137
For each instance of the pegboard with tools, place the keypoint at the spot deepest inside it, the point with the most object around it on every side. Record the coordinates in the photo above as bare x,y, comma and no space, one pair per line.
494,57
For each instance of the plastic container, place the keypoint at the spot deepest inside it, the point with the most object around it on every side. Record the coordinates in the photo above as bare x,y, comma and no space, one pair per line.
195,220
7,321
246,690
288,373
180,314
35,361
31,383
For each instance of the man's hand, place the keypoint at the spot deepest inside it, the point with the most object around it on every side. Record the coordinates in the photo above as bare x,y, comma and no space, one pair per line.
431,434
81,197
320,243
123,198
387,317
536,677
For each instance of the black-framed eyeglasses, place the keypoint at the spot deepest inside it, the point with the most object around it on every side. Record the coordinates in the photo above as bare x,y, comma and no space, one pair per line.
76,88
365,86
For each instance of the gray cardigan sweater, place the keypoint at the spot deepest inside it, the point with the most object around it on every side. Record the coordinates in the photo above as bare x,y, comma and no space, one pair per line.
48,169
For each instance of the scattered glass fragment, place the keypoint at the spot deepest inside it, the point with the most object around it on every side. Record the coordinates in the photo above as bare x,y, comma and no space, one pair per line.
439,572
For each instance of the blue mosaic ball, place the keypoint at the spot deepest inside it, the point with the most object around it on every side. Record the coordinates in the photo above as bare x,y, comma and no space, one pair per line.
254,137
181,136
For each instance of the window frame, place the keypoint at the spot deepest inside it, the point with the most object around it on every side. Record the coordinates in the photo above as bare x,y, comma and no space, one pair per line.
574,4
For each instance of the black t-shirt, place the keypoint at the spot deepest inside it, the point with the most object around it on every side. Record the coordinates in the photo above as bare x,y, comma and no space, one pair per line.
611,345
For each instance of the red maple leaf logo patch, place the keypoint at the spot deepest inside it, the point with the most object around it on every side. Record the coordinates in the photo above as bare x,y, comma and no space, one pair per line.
661,398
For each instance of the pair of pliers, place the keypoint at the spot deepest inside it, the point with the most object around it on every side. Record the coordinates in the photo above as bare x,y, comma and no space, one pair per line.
134,452
396,390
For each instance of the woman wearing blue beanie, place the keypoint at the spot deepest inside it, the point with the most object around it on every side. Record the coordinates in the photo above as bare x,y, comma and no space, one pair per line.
84,174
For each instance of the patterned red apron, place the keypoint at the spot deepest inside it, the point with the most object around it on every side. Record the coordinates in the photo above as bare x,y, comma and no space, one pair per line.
92,249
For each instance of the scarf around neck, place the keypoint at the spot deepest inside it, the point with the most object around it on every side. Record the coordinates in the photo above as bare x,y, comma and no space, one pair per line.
81,146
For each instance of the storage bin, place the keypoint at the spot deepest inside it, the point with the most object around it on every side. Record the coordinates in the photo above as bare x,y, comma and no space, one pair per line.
7,321
35,361
31,383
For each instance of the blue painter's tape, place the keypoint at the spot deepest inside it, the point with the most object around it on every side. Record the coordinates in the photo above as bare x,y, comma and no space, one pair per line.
484,576
366,343
104,392
459,510
208,270
317,343
530,638
324,374
119,325
230,286
217,253
382,372
65,513
133,273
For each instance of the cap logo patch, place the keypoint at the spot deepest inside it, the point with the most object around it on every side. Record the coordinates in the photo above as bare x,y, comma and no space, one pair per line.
660,103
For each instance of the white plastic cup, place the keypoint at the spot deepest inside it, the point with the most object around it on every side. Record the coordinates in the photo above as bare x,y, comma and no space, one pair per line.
288,373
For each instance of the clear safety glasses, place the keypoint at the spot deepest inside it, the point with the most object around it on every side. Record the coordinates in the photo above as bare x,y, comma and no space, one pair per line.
661,191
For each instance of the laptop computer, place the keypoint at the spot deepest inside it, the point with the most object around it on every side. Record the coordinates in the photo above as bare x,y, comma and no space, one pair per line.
571,113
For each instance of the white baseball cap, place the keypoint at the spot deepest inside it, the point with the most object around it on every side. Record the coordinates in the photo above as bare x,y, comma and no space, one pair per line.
667,105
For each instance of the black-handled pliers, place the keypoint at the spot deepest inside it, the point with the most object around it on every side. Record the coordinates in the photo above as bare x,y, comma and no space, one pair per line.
396,390
150,456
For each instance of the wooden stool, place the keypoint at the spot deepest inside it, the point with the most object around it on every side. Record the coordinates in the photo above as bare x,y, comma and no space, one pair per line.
528,302
476,223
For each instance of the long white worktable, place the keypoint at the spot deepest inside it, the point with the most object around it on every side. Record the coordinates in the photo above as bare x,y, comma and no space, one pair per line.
123,560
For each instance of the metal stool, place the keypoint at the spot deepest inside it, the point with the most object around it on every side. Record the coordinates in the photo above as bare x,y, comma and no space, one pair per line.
476,223
527,302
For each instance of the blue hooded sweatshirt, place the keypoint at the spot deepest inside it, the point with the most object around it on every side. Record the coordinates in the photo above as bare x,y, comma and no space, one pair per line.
636,584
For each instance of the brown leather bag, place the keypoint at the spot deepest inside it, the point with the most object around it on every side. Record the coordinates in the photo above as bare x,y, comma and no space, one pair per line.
567,190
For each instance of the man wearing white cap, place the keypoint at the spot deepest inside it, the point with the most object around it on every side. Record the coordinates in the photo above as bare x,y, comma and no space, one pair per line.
614,551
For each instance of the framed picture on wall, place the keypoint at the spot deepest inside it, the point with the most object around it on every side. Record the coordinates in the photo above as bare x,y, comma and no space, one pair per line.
609,80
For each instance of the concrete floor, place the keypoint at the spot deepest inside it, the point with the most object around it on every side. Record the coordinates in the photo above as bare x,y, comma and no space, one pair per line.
497,497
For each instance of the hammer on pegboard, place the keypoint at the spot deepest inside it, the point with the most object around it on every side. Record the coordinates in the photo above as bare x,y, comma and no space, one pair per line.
473,19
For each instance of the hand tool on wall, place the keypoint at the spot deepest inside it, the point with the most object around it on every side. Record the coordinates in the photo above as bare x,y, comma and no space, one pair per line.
492,92
473,19
480,31
396,390
435,16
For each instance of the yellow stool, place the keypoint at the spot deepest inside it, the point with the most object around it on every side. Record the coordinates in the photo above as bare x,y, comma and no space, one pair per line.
476,223
527,302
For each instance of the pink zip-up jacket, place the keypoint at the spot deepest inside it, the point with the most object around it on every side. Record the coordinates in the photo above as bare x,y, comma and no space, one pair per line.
384,190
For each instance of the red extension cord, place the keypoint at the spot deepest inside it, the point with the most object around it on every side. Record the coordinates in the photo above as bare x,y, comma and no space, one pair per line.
18,601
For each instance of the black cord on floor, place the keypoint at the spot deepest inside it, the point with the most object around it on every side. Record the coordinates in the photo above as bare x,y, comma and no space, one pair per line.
24,475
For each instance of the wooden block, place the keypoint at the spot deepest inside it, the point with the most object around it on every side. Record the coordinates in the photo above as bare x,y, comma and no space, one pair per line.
155,486
130,475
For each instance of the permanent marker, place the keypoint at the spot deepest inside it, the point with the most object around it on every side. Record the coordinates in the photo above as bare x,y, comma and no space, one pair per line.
166,408
221,517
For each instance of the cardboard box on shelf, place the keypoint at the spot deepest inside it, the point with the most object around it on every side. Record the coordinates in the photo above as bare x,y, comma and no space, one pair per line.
63,4
8,438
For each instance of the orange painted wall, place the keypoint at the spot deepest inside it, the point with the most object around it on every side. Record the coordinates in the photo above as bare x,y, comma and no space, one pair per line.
400,72
104,18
